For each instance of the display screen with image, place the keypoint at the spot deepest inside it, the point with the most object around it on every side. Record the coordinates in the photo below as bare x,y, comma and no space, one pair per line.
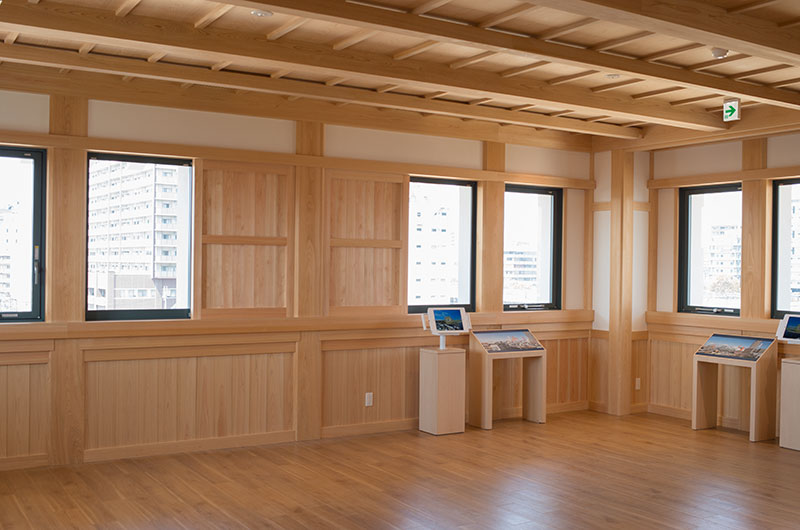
792,328
448,320
507,340
735,347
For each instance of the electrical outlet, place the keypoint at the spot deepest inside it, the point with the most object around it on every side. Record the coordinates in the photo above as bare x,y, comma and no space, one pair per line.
638,383
368,399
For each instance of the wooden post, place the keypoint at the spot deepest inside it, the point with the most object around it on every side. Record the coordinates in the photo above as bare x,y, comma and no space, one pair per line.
66,276
620,318
489,259
756,233
309,281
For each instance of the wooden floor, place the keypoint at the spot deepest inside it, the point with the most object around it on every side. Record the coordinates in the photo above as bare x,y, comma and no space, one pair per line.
580,470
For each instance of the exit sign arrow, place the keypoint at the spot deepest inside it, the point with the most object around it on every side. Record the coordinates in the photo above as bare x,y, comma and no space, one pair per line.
730,110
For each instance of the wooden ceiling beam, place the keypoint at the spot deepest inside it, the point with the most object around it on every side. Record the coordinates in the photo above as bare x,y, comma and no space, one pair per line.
539,48
505,16
429,5
752,6
560,31
286,28
615,85
614,43
232,80
511,72
126,7
352,40
696,21
158,93
415,50
657,56
181,39
212,16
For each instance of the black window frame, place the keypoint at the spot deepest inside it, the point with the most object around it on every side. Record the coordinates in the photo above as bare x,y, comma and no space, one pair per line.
138,314
557,255
470,307
683,250
776,184
39,157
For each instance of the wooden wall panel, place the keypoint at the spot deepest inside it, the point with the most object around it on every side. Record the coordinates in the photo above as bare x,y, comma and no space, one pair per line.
24,410
671,377
364,277
260,280
391,374
640,368
366,236
247,225
140,402
598,374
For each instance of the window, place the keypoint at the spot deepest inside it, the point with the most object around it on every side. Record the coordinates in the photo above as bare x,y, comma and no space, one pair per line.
785,247
144,267
710,251
441,264
532,248
21,234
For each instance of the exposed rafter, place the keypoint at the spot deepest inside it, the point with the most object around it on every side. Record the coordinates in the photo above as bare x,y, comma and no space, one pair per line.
222,79
340,11
696,21
212,16
89,25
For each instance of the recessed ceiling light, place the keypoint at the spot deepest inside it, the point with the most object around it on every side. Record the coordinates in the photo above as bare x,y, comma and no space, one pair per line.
257,13
719,53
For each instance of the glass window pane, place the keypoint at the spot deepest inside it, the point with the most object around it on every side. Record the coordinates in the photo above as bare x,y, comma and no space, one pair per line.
787,241
528,248
714,267
139,235
17,177
440,244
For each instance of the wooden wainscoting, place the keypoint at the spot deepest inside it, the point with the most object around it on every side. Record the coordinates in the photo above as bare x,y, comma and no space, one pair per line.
161,395
24,403
247,238
598,371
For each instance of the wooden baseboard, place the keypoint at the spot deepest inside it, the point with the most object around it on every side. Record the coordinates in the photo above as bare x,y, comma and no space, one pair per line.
336,431
670,411
598,407
638,408
23,462
186,446
555,408
730,423
509,412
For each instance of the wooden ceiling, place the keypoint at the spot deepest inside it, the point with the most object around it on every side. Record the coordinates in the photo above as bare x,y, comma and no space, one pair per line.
607,68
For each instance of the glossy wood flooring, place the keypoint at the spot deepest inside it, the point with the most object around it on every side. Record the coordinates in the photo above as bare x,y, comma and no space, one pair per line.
580,470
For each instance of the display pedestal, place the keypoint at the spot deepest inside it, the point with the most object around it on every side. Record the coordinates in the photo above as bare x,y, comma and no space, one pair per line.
790,404
534,383
441,390
763,391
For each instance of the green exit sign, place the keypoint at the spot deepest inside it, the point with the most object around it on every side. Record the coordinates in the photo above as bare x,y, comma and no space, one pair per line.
730,110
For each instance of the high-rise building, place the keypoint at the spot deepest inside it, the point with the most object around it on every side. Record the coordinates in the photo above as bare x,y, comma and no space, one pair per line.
15,293
134,225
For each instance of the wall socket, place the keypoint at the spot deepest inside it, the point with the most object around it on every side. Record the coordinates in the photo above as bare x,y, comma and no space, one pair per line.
638,383
368,399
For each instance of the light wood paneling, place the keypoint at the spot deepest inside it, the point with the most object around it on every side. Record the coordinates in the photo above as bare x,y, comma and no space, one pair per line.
141,402
640,368
598,374
366,234
671,374
391,374
24,410
248,216
67,403
489,239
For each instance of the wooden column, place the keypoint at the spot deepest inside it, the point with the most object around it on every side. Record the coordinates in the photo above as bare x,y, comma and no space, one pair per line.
620,318
756,233
65,273
489,248
309,281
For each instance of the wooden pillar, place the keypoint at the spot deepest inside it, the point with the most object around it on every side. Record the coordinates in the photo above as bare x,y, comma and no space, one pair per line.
65,275
756,233
489,248
309,281
620,317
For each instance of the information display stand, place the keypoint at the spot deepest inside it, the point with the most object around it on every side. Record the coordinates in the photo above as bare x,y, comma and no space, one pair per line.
485,347
757,354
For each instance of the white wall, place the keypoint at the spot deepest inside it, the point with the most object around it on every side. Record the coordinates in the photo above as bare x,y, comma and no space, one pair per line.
21,111
573,248
783,151
602,175
541,161
641,224
685,161
191,127
368,144
666,249
601,282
